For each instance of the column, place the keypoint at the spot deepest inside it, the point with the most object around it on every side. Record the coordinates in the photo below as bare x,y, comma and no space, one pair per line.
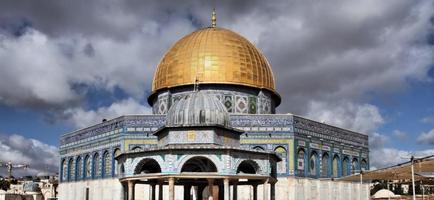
227,194
200,192
131,190
187,190
152,192
160,190
273,191
171,188
124,195
255,192
266,197
210,188
235,190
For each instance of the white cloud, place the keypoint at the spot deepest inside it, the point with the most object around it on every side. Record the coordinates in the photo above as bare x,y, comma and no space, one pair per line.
40,70
81,118
385,157
39,156
364,118
400,135
428,120
426,137
327,56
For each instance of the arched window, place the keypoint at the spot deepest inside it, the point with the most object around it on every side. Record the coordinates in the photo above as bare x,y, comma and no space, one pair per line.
345,166
107,164
87,167
71,169
202,116
96,165
313,164
354,166
79,169
281,166
363,165
64,176
335,166
300,162
116,153
325,165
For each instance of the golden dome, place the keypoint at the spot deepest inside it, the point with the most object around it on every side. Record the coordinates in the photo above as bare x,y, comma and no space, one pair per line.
213,55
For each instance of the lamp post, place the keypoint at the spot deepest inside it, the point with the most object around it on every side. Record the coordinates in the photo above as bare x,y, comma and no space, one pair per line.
412,178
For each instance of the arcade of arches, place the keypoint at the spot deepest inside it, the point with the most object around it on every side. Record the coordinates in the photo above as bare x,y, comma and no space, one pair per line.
325,166
200,179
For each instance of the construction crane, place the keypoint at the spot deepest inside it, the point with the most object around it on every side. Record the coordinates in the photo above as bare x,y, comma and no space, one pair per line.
10,166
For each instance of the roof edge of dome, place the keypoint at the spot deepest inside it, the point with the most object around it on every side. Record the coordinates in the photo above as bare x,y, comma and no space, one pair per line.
154,93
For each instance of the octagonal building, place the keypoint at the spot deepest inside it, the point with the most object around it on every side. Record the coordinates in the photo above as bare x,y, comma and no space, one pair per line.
214,133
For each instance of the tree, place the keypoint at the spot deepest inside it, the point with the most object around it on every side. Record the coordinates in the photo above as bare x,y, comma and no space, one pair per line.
4,185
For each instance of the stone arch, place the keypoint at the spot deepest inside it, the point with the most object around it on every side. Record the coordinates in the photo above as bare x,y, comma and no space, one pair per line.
313,164
248,167
87,167
363,165
116,152
146,166
335,165
283,153
106,164
301,161
183,159
354,165
325,164
64,170
96,165
345,161
199,164
78,168
70,169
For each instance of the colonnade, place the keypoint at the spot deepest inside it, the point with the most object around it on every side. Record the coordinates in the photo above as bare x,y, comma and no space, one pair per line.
223,184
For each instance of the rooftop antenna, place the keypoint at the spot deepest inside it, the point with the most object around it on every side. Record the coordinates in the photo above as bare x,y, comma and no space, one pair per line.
196,84
213,19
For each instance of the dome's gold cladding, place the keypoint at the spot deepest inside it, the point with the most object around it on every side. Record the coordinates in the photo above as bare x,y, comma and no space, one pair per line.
213,55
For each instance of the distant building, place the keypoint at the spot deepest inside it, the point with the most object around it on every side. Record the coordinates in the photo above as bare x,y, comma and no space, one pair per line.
213,124
34,188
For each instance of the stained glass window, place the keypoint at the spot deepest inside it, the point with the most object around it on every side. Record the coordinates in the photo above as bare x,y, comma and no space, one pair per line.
87,167
325,165
300,162
335,166
345,167
64,170
354,166
107,164
313,164
71,169
363,165
96,165
79,168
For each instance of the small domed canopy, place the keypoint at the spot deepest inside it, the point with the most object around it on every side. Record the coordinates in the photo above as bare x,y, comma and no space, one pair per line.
197,109
383,193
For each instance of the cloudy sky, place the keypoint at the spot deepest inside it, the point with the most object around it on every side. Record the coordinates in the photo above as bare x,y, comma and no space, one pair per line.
364,65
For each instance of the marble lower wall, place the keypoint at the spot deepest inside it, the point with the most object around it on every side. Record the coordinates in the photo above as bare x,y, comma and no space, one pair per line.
107,189
286,189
